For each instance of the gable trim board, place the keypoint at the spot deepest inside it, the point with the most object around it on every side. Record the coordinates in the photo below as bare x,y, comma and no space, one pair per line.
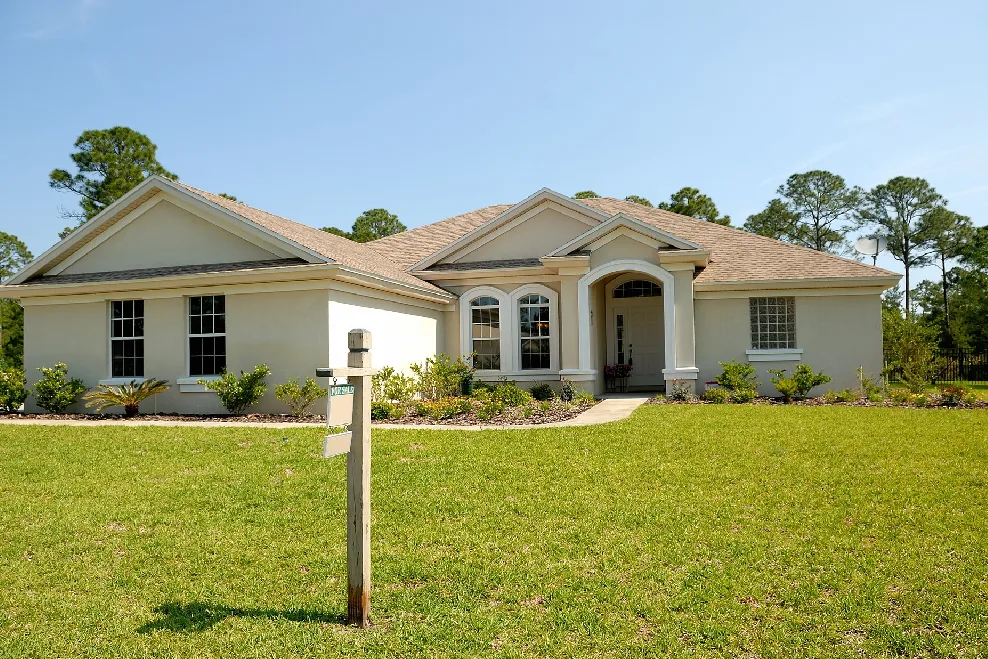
531,202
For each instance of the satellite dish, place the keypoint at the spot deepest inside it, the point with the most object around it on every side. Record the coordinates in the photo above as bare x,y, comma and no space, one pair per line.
871,246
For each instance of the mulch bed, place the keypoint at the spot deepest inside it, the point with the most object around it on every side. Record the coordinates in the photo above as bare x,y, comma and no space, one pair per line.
512,416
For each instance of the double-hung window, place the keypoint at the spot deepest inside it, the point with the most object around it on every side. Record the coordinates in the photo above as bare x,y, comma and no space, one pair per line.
485,333
207,335
127,339
773,323
533,327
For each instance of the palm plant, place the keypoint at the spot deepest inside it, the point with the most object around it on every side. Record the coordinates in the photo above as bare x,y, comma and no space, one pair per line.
128,396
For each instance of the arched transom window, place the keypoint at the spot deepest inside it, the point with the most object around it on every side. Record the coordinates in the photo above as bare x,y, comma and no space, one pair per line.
485,333
638,288
533,330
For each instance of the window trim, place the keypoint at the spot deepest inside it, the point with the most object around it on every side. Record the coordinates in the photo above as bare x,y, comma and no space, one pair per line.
190,382
466,323
123,379
515,333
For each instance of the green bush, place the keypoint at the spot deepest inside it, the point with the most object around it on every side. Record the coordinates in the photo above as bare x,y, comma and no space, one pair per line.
128,396
55,391
391,385
584,399
510,395
567,391
384,409
840,396
737,376
441,377
237,394
870,387
717,395
13,391
799,384
490,409
743,395
528,410
900,397
542,391
298,397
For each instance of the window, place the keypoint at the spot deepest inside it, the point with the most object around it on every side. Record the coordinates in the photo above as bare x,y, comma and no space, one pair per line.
638,288
485,333
207,335
127,339
619,327
773,322
533,325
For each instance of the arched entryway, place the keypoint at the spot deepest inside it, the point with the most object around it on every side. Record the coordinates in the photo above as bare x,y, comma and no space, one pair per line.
635,333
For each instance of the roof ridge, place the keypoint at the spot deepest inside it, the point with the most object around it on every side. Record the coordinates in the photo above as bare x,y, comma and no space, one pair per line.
431,224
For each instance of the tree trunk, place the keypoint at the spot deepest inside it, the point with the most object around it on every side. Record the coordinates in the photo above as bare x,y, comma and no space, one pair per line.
946,303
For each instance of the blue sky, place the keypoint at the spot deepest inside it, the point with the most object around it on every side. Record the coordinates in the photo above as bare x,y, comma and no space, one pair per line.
318,111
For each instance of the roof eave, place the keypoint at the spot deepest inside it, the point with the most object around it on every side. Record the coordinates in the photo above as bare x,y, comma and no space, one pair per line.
869,281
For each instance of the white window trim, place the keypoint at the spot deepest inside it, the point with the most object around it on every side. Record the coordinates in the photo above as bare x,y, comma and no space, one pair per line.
192,386
466,321
515,331
114,381
775,355
190,383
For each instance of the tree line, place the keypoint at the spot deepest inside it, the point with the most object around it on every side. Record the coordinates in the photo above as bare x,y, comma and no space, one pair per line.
815,209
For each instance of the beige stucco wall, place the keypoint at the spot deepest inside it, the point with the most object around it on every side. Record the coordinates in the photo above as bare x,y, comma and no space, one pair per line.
621,248
837,333
535,237
167,235
285,330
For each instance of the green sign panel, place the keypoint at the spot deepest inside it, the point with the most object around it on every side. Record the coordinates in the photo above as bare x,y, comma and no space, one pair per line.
341,390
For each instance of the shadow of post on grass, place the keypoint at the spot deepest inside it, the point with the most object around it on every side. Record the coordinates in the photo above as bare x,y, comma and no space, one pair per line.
193,617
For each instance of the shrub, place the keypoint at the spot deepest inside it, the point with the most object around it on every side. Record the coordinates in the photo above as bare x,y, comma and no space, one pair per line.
568,390
421,408
871,386
542,391
55,391
510,395
743,395
681,391
384,409
584,399
13,391
440,376
900,397
737,376
528,410
297,397
876,398
391,385
799,384
237,394
920,400
444,408
952,395
489,410
717,395
841,396
128,396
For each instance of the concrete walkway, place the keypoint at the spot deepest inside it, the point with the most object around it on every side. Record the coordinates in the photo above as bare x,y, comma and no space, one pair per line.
613,407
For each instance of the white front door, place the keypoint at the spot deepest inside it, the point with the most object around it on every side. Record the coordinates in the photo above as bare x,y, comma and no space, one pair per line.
637,338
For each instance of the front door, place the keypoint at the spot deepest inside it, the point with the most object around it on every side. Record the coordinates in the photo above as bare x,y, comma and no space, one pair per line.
638,339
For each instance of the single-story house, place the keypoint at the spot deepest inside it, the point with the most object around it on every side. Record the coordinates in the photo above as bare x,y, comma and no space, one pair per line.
176,283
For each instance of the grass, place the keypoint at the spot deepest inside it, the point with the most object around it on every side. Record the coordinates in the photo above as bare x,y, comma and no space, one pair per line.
711,531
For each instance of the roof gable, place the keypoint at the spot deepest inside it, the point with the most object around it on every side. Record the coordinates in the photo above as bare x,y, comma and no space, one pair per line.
622,224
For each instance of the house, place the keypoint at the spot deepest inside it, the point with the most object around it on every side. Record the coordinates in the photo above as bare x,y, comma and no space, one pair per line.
177,283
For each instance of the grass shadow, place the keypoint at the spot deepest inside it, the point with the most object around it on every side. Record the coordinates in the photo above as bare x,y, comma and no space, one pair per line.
199,616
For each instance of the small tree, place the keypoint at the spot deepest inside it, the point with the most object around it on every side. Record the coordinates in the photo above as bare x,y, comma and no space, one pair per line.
13,391
738,377
392,386
128,396
237,394
298,397
55,391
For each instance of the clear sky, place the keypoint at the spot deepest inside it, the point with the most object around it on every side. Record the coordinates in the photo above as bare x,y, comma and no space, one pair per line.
317,111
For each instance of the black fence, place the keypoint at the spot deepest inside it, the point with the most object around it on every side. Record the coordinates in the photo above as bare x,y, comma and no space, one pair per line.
952,366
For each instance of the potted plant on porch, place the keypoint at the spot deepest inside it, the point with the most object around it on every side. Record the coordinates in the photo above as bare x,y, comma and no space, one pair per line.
616,377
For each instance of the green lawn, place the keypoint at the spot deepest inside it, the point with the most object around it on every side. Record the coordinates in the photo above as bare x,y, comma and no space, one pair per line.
712,531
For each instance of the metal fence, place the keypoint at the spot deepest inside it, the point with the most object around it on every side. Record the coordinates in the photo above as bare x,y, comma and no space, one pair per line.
952,366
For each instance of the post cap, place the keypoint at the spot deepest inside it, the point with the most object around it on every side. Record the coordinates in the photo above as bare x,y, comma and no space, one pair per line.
359,340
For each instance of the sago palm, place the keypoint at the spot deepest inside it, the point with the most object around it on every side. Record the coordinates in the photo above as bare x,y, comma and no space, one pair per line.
128,396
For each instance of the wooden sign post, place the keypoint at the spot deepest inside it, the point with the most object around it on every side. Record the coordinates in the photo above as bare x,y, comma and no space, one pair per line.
358,373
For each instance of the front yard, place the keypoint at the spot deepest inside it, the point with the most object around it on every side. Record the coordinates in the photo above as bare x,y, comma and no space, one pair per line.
714,530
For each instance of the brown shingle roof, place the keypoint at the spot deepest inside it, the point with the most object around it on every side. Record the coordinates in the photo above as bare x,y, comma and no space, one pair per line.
736,255
151,273
345,252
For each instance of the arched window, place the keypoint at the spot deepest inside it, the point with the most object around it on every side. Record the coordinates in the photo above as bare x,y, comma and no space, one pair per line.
638,288
485,333
534,332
